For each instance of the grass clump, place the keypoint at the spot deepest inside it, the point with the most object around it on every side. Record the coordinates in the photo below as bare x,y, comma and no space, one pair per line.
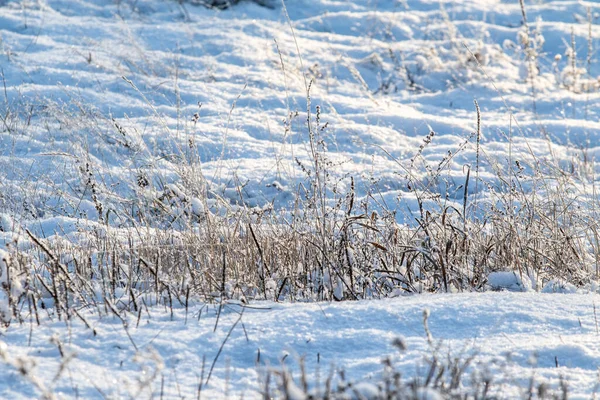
171,241
147,226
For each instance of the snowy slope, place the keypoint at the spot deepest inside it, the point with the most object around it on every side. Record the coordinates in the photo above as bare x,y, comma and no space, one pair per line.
109,105
114,89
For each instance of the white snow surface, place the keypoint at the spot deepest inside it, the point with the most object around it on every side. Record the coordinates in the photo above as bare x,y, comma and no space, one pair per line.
513,337
111,89
107,91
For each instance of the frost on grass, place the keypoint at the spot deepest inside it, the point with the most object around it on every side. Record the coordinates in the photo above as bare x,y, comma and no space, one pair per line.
352,166
161,153
211,160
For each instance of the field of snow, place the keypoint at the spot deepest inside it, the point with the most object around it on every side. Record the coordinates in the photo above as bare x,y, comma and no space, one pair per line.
162,151
516,340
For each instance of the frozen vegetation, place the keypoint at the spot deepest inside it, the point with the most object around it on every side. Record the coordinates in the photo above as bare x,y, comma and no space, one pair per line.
327,198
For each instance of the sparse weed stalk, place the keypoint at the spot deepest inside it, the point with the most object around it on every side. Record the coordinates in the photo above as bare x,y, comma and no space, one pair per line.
531,43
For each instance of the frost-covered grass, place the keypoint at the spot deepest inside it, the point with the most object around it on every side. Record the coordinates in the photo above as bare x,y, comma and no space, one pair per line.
161,153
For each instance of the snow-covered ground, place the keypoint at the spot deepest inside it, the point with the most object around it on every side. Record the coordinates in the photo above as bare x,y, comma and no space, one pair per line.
113,89
513,337
106,105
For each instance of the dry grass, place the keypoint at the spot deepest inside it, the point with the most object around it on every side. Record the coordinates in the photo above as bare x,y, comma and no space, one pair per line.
330,246
154,242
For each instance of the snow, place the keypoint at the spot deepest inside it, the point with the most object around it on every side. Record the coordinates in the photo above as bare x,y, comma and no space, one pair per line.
505,280
116,89
512,336
105,104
